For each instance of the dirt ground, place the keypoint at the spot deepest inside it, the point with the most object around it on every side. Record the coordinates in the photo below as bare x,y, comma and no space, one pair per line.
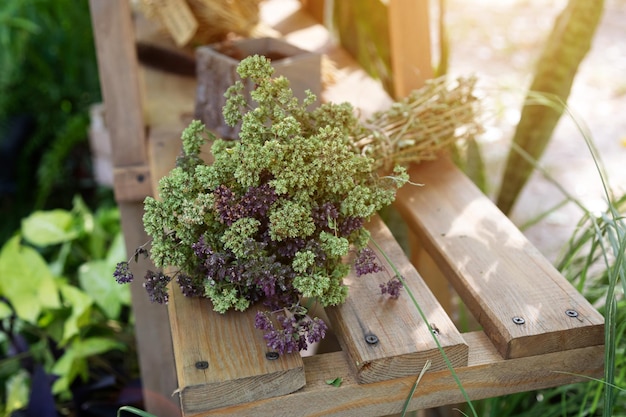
499,41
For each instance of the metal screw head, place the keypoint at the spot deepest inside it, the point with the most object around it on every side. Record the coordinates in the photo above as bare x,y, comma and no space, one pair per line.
571,313
519,320
434,329
272,356
371,339
202,365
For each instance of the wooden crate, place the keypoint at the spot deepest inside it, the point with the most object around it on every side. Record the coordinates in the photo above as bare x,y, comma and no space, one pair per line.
536,330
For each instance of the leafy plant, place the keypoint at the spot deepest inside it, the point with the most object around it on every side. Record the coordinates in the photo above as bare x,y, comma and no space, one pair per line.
58,310
48,79
133,410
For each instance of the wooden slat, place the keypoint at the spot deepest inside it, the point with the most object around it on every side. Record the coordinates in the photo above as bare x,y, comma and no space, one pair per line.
404,340
169,100
487,375
154,341
120,85
237,369
494,268
119,79
132,183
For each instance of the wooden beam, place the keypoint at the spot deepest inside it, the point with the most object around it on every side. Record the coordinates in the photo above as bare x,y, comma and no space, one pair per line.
132,183
523,303
402,340
487,375
120,84
119,80
154,340
409,34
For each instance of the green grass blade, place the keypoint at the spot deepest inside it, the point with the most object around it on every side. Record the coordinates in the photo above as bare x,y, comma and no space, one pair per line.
414,387
133,410
430,330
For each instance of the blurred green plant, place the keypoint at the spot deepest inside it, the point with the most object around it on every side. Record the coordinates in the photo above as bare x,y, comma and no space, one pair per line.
59,311
363,29
48,79
133,410
594,261
563,51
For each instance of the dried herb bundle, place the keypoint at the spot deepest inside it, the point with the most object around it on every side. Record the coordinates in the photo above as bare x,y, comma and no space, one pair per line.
418,127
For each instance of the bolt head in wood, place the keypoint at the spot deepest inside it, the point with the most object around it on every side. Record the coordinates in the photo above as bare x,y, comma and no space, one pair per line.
272,356
571,313
519,320
202,365
371,339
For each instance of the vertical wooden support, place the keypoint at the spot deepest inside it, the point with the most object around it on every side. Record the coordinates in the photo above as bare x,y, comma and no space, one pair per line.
119,80
409,34
120,84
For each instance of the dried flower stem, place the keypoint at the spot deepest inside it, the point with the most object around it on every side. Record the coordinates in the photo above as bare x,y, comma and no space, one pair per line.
418,127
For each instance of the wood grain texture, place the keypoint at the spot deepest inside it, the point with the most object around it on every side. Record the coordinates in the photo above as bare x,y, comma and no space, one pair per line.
237,370
119,80
404,340
487,375
410,45
132,183
120,85
217,71
154,341
494,268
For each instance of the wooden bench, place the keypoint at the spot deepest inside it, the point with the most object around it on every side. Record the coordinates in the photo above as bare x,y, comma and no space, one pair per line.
536,330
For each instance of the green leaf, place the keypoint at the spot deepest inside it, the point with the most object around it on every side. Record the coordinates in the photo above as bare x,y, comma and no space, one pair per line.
26,280
80,302
336,382
95,346
5,310
96,279
134,410
17,390
73,363
117,250
44,228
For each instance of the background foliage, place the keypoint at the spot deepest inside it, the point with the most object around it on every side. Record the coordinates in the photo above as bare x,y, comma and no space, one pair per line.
65,326
48,79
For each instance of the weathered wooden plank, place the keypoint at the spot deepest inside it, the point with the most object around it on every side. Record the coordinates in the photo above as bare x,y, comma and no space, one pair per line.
169,99
487,375
119,79
120,84
524,305
404,340
154,341
221,358
132,183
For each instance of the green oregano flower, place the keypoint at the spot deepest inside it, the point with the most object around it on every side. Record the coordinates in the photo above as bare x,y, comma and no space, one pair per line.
275,214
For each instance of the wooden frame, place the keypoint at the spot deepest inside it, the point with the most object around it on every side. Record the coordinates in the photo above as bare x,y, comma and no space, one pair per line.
537,330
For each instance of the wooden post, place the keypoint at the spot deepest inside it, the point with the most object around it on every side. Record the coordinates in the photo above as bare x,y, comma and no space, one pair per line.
121,90
409,34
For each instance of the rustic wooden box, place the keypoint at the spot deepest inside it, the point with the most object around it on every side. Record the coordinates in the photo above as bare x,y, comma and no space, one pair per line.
216,71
